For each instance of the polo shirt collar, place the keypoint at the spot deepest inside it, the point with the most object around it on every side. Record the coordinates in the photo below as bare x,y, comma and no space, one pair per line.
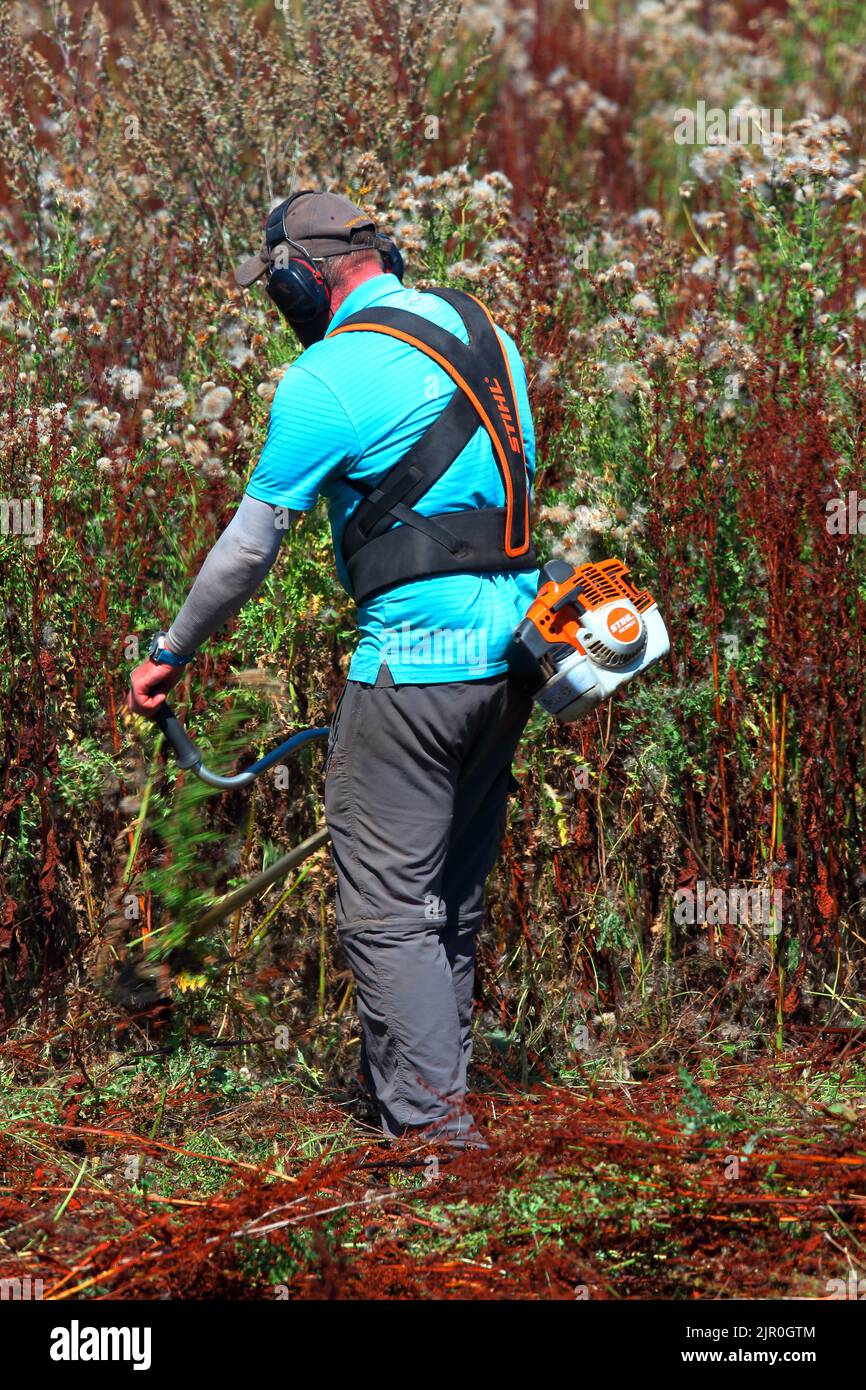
363,295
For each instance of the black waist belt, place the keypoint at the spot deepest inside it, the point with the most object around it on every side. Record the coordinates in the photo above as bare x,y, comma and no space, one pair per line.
474,546
387,542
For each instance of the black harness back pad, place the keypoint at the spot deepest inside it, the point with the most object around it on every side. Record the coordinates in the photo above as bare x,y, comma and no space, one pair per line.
379,554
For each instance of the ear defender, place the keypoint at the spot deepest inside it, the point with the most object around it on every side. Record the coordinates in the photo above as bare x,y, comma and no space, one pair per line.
391,258
299,291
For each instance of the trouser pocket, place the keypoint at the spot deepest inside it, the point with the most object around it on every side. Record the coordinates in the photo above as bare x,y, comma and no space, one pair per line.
333,736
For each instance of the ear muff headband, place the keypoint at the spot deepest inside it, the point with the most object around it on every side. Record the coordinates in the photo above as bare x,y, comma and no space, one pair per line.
391,258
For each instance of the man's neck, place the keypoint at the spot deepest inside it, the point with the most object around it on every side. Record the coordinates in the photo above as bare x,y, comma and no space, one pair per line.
340,295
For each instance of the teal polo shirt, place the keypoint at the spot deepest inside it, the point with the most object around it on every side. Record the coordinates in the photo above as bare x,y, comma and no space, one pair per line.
351,407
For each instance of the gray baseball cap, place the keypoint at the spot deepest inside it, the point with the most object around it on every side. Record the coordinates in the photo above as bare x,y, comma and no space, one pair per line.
321,224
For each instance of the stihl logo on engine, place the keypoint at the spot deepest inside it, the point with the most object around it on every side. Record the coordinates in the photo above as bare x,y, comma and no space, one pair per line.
498,395
623,625
570,664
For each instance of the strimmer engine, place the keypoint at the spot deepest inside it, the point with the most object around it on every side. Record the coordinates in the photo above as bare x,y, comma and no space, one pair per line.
588,631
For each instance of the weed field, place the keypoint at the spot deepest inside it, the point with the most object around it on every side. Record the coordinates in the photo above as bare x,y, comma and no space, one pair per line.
663,204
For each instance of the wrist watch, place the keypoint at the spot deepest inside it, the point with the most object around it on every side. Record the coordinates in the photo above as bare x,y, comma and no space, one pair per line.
159,652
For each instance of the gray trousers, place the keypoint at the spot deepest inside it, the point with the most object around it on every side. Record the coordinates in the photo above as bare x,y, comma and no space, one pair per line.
415,800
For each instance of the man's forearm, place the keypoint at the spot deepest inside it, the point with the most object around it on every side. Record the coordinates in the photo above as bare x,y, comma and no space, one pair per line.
233,570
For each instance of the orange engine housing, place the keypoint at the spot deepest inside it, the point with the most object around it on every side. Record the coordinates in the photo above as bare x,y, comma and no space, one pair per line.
556,610
588,631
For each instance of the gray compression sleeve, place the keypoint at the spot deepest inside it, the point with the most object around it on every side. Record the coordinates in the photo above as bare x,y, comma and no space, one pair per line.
233,570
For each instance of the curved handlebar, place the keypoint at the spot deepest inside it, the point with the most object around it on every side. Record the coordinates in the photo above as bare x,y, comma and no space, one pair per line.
189,757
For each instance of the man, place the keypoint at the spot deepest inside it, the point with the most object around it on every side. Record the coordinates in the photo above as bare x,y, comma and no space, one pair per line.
408,411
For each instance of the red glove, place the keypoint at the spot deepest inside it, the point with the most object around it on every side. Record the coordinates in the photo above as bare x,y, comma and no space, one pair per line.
150,683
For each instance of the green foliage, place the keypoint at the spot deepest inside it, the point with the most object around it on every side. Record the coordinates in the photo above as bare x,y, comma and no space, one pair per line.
692,336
